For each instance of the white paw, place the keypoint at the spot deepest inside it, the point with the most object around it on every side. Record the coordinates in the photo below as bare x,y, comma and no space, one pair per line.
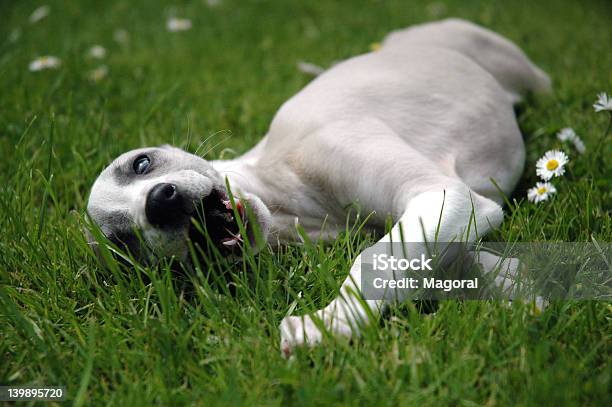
538,305
298,331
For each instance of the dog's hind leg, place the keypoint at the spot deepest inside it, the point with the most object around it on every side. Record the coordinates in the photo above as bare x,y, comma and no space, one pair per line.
506,275
451,213
496,54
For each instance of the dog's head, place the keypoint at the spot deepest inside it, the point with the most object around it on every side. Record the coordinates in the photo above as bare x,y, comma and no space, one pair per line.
153,201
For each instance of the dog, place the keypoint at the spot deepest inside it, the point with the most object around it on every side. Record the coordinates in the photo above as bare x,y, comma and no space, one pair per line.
422,130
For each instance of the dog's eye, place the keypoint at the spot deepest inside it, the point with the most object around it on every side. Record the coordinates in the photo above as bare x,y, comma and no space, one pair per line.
141,165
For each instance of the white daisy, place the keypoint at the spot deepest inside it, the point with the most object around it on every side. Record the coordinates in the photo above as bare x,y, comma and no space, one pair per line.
96,75
121,36
541,192
178,24
566,134
46,62
40,13
309,68
97,52
579,145
436,9
604,102
551,164
14,35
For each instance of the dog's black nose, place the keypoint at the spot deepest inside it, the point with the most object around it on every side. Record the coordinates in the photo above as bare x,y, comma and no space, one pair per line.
164,205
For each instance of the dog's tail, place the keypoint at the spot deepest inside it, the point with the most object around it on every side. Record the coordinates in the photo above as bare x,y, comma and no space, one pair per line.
502,58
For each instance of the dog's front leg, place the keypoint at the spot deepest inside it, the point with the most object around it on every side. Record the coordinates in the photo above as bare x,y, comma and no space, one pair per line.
446,215
344,316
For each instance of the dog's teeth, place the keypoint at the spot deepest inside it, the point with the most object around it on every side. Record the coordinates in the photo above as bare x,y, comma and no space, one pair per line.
235,236
228,204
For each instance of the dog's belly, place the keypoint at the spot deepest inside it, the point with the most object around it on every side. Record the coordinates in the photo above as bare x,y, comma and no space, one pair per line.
441,103
438,112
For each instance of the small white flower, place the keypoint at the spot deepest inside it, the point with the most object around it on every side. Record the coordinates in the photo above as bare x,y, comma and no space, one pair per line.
46,62
604,102
551,164
436,9
96,75
541,192
121,36
178,24
309,68
97,52
14,35
568,134
40,13
579,145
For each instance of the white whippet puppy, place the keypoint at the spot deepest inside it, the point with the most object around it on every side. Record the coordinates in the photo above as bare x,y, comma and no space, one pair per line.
424,123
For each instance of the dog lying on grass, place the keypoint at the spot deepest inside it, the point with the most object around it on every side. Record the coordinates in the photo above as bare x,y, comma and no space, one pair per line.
416,131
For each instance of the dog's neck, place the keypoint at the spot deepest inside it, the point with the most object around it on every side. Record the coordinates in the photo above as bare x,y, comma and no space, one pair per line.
288,199
243,177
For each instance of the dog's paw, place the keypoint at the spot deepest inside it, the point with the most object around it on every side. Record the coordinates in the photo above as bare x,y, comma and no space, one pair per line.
538,305
298,331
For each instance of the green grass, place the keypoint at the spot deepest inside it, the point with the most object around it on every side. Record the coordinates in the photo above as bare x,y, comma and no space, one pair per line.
111,338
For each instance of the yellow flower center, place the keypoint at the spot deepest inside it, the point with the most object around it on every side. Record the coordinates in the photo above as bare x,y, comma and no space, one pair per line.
552,164
541,190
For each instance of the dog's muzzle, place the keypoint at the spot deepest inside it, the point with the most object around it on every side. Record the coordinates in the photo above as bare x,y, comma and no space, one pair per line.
208,220
164,205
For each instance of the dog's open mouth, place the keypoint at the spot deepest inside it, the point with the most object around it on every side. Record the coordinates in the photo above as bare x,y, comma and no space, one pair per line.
215,216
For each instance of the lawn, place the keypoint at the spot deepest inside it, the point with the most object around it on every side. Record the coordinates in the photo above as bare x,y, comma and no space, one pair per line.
142,337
